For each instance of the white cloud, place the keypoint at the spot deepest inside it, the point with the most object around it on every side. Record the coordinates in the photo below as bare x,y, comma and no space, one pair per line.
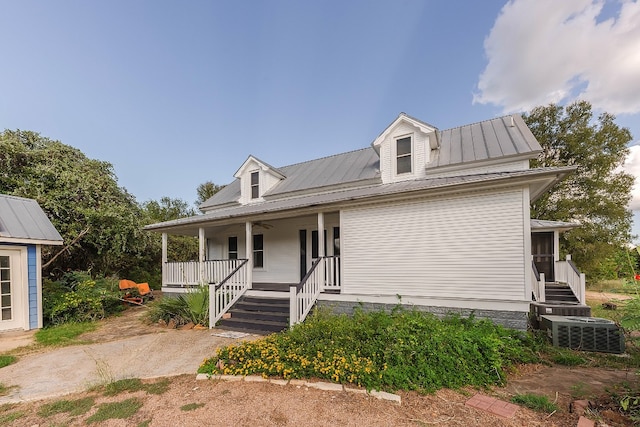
632,166
542,51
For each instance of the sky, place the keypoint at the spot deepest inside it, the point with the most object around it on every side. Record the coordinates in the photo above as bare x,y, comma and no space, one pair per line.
176,93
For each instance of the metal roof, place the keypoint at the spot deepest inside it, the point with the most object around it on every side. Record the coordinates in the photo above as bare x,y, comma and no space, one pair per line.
340,169
498,138
543,224
548,175
23,221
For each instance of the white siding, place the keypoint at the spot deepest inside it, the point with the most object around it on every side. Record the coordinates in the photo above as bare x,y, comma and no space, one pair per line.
419,155
468,247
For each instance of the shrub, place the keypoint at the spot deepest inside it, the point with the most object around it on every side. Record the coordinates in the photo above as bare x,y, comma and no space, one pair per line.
404,349
191,307
79,298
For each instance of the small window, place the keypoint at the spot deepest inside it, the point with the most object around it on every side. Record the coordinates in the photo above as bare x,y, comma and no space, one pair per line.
403,154
233,247
255,185
258,251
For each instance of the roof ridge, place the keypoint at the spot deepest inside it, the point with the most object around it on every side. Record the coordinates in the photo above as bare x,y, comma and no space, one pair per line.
478,122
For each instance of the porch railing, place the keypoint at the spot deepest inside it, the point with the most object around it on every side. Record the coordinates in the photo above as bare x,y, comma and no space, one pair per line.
224,294
332,273
567,272
303,296
538,284
191,273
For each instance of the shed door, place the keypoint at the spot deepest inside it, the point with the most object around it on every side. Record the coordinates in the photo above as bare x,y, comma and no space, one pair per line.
542,251
12,308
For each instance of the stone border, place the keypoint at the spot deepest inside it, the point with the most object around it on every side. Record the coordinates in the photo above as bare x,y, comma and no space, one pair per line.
320,385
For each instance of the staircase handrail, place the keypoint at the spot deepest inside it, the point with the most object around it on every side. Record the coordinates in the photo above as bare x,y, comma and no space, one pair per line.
303,295
227,292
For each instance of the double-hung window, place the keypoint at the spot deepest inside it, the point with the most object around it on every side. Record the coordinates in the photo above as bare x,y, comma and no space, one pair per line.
403,155
233,247
255,185
258,251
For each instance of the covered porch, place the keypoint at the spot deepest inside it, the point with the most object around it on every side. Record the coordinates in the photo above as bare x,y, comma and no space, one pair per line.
296,258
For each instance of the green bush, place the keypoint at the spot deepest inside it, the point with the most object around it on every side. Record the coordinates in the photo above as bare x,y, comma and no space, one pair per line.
79,298
191,307
407,350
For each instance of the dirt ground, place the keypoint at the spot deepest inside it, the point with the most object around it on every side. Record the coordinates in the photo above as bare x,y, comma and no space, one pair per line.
265,404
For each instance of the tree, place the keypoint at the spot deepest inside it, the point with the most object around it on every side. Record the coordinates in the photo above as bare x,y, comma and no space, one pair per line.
597,194
206,190
82,199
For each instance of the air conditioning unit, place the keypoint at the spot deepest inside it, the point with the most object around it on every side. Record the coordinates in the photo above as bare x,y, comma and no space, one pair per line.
584,333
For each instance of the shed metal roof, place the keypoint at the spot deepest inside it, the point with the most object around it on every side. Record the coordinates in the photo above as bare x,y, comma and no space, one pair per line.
548,175
543,224
23,221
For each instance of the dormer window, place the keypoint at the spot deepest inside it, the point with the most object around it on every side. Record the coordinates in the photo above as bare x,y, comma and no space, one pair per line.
255,185
403,155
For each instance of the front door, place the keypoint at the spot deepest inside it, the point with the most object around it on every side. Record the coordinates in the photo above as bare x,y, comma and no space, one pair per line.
11,305
542,251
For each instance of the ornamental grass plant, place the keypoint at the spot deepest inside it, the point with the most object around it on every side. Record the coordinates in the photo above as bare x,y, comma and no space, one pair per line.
404,349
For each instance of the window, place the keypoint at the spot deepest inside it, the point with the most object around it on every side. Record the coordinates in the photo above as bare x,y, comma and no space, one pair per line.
233,247
315,249
403,155
255,185
258,251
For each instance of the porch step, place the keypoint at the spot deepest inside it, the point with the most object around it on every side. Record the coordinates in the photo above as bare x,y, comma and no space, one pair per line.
258,314
556,292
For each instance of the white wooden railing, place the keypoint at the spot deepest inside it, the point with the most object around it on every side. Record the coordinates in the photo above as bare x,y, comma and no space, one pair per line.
567,272
538,284
224,294
191,273
303,296
332,273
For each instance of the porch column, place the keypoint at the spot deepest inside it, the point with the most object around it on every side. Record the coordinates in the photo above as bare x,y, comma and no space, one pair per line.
201,254
164,257
321,251
249,252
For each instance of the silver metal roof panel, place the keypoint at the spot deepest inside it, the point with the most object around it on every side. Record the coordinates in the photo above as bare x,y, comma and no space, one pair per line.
23,219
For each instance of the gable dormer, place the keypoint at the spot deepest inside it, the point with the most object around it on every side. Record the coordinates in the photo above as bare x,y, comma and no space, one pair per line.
256,178
405,147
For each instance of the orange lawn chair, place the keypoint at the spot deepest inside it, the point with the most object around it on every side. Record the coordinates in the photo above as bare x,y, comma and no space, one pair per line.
135,293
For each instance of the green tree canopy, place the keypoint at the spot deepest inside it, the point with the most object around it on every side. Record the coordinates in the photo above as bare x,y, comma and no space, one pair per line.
97,218
207,190
597,194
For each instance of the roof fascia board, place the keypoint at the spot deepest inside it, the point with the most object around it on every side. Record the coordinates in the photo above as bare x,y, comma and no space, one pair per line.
26,241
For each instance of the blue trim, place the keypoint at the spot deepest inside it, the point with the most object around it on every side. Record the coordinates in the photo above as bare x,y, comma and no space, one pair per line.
32,267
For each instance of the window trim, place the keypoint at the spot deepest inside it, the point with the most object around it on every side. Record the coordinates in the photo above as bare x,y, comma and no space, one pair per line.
255,185
254,251
403,156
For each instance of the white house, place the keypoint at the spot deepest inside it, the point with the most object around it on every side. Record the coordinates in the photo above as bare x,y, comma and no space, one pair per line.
24,228
437,219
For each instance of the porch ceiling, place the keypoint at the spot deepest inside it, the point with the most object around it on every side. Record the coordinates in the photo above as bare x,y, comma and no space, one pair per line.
538,180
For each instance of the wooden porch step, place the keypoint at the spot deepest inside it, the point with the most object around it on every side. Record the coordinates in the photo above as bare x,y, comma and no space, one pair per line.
251,325
559,292
258,314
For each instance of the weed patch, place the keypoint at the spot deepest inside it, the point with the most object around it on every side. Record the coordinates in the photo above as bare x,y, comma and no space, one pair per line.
404,349
10,417
72,407
116,410
191,406
566,357
4,389
536,402
63,335
6,360
135,384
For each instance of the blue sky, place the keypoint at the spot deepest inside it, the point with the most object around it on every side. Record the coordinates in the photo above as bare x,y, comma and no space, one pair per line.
177,93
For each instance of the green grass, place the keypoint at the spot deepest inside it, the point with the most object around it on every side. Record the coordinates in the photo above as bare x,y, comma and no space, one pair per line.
6,360
64,334
535,401
145,423
616,286
72,407
566,357
191,406
116,410
4,389
135,384
10,417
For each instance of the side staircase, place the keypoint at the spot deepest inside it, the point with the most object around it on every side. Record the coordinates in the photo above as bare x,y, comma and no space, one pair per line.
556,292
257,314
560,300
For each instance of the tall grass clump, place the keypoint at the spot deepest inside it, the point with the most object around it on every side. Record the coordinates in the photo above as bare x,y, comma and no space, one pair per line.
191,307
404,349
